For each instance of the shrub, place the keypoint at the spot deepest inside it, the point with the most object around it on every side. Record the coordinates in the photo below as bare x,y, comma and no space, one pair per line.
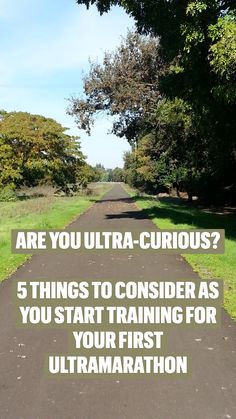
7,194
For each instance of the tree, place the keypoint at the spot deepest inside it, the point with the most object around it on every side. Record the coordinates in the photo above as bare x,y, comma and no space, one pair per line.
197,55
162,158
35,149
223,57
101,174
168,122
87,175
126,86
107,175
117,175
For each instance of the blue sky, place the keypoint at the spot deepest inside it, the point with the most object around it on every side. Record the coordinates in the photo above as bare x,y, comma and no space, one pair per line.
44,50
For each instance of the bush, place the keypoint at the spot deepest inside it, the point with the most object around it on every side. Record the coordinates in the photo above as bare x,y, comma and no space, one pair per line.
7,194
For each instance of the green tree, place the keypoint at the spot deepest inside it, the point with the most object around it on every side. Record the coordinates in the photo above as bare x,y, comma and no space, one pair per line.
223,57
101,174
168,122
197,49
35,149
118,175
86,175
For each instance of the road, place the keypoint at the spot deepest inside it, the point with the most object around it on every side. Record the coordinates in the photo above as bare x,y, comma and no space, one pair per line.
27,392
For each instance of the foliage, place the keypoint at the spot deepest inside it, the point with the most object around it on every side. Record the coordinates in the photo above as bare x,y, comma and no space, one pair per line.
107,175
100,173
223,57
86,175
35,149
7,194
182,98
116,175
126,85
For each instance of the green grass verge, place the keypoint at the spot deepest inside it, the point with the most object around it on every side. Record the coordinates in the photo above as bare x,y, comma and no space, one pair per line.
169,213
38,213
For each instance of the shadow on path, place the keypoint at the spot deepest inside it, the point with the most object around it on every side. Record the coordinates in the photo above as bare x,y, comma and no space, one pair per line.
178,212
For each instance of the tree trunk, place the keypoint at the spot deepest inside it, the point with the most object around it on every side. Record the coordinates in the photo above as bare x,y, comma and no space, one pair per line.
190,197
177,190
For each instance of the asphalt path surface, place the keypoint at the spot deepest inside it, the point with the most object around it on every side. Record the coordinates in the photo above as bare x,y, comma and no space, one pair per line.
27,392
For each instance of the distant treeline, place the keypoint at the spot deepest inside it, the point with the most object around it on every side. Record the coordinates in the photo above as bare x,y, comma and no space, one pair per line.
107,175
171,90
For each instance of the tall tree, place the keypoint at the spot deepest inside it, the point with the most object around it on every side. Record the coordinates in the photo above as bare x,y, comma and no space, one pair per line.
125,86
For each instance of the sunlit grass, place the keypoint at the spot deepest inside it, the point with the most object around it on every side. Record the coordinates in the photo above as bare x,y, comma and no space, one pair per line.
38,213
173,213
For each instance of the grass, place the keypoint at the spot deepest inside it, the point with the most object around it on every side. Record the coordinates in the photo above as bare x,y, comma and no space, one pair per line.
168,213
38,213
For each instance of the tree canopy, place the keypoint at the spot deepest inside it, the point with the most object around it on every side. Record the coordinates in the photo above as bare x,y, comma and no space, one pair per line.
107,175
171,90
124,86
35,149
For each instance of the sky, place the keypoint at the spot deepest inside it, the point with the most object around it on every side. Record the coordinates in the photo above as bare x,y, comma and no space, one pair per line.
44,51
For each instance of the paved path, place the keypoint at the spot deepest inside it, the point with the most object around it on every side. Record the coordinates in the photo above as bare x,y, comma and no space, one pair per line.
25,392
